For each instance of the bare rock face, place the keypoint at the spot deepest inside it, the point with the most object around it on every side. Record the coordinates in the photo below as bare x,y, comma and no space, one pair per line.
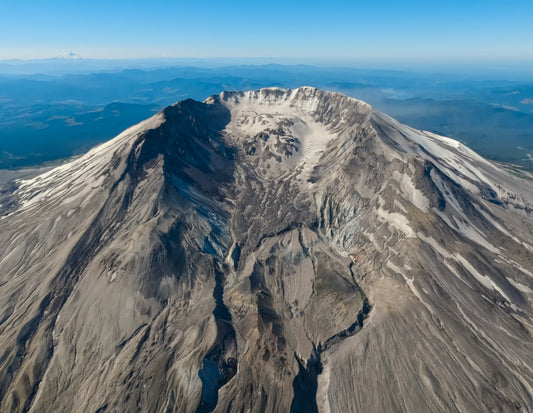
268,251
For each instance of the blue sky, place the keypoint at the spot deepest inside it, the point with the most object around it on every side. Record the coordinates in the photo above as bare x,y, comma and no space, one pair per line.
408,30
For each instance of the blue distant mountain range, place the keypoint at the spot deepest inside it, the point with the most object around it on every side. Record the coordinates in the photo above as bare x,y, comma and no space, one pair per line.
51,115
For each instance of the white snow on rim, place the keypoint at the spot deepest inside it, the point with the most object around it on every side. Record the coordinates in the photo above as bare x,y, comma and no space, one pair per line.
255,111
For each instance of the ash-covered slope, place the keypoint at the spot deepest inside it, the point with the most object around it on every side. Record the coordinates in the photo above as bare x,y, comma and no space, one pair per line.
276,250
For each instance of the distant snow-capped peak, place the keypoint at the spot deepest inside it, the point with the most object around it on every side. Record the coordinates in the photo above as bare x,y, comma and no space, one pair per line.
69,56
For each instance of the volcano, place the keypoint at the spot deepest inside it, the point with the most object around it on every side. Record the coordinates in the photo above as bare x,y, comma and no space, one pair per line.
268,251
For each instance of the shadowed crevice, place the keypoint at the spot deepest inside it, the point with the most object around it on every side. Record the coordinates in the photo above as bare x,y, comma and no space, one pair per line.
305,385
219,365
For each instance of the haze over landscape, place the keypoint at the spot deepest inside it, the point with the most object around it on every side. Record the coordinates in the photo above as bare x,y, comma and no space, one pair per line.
293,206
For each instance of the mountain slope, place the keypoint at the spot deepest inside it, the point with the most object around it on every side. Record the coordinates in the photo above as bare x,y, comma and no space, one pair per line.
271,250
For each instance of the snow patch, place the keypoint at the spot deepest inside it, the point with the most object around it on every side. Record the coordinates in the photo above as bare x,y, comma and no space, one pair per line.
397,220
485,280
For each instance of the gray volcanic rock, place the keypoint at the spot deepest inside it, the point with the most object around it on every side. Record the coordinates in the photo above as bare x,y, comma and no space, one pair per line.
275,250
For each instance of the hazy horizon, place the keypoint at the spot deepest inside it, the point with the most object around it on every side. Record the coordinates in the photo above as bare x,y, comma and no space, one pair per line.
482,70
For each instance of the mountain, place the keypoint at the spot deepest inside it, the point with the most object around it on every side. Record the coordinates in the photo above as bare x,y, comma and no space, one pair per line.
69,56
273,250
450,105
